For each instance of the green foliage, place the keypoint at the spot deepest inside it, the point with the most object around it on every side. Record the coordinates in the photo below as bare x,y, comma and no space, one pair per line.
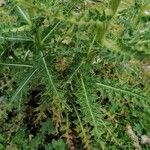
74,74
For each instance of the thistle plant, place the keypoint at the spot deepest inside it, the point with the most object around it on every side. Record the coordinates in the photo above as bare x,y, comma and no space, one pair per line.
74,74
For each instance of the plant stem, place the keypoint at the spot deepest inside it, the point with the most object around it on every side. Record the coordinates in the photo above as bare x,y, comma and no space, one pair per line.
102,30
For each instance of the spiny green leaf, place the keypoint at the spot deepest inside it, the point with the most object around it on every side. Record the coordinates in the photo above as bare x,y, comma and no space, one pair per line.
20,88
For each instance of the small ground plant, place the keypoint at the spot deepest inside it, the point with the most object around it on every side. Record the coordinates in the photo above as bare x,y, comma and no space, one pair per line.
74,75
